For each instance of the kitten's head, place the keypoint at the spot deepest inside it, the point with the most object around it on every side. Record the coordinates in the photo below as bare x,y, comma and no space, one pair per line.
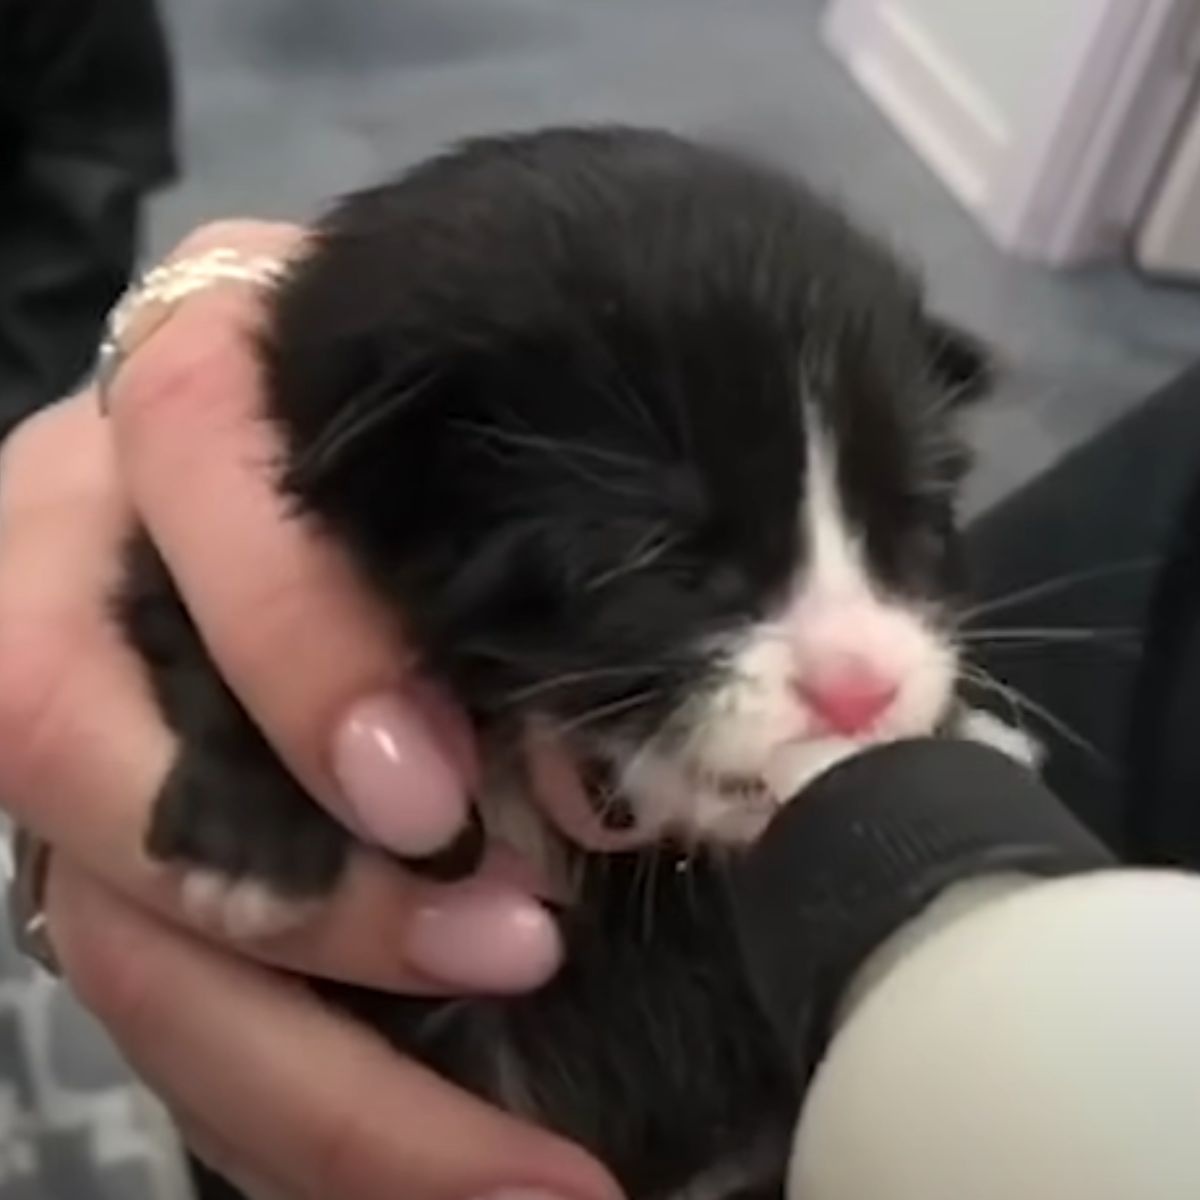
653,449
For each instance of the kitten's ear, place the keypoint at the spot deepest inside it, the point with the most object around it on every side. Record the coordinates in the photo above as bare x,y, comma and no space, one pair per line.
963,363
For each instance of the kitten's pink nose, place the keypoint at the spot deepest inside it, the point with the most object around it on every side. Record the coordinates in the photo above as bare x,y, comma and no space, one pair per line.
848,699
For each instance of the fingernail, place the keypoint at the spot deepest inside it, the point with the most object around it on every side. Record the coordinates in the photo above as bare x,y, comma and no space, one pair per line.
484,939
402,789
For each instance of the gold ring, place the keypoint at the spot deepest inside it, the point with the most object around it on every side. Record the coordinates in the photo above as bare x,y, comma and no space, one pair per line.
148,303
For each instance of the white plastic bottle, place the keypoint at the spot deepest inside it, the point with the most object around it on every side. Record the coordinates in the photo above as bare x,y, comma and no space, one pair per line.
982,1003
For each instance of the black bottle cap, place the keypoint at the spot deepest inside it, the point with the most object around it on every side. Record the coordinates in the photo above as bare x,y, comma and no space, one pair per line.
865,848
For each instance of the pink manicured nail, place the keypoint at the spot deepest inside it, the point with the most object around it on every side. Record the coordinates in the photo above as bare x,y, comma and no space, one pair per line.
484,938
402,789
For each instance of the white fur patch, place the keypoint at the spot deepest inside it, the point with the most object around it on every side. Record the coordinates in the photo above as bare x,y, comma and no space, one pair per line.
757,725
835,566
979,725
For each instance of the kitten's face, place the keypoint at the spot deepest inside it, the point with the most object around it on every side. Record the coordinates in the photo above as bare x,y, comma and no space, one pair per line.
791,612
707,582
847,654
670,473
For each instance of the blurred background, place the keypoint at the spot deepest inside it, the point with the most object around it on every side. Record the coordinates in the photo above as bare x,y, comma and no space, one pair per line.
1038,162
285,102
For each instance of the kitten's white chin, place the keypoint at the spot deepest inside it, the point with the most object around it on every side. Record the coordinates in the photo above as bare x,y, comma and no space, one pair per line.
793,767
787,773
673,796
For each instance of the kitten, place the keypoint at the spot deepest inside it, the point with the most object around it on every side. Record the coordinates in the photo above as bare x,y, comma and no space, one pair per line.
656,454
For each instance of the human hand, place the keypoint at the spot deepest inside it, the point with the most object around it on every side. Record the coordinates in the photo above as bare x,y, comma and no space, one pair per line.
285,1099
83,752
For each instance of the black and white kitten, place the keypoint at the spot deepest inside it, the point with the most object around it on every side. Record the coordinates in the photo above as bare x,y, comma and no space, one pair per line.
656,454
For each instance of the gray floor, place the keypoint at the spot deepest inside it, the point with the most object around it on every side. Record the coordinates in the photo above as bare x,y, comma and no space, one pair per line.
289,101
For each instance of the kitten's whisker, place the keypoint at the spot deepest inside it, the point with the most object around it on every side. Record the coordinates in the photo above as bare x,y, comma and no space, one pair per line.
1016,696
1057,583
645,553
1124,641
357,418
983,679
535,441
612,708
1115,638
621,389
676,391
654,856
625,394
571,678
1127,651
1051,632
568,453
693,856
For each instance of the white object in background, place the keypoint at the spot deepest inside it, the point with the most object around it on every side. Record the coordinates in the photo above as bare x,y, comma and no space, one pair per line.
1046,119
1168,240
1021,1040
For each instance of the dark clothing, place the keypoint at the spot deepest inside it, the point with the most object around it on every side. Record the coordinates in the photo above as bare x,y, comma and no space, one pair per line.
86,129
1121,515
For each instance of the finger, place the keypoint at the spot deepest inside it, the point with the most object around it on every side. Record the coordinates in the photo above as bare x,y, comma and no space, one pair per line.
321,668
83,750
310,1098
75,716
216,1154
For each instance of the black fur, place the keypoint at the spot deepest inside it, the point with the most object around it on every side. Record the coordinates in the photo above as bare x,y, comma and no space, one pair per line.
203,815
499,380
648,1047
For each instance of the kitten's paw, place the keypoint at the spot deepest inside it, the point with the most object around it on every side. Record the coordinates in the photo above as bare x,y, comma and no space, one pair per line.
242,910
258,856
979,725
